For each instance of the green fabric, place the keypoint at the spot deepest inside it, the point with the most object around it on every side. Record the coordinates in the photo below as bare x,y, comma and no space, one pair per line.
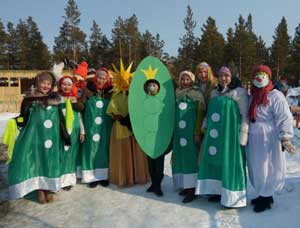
69,153
95,149
184,157
152,117
9,137
222,157
37,148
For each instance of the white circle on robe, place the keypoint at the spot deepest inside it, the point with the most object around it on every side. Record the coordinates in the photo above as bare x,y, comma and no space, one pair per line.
215,117
99,104
48,143
212,150
182,105
182,124
96,137
98,120
183,142
214,133
48,124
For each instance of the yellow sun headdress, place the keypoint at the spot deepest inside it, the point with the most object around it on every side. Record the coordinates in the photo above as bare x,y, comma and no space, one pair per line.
122,77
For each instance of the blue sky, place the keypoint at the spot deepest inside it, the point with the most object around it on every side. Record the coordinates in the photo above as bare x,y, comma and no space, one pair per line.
158,16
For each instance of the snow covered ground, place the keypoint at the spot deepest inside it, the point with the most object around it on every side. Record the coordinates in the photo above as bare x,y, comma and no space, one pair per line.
133,207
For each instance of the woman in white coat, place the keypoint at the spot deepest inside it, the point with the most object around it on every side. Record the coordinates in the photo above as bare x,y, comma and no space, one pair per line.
271,128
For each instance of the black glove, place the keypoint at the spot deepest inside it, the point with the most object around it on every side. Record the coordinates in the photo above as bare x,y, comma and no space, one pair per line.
53,95
126,122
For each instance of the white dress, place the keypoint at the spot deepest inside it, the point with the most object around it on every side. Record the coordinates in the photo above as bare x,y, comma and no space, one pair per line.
265,159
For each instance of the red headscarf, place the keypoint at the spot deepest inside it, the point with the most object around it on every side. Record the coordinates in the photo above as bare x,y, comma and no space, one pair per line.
74,90
107,84
259,95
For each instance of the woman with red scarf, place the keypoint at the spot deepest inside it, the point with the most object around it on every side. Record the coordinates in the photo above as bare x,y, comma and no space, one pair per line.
68,94
95,149
271,127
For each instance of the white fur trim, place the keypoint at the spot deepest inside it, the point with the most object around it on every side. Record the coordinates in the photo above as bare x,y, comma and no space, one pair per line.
19,190
94,175
228,198
184,181
68,179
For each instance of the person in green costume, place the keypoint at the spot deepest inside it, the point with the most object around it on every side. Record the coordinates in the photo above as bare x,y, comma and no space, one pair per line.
190,111
155,166
95,149
222,171
35,163
68,95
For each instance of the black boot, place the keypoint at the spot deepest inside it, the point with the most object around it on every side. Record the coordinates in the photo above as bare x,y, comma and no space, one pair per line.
183,192
190,195
262,204
214,198
253,201
150,189
157,191
93,184
68,188
103,183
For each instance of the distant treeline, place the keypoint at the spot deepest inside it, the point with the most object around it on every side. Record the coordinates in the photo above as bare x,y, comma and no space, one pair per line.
22,46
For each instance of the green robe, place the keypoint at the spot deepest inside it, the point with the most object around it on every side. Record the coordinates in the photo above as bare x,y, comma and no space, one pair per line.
36,158
222,166
69,153
95,149
185,150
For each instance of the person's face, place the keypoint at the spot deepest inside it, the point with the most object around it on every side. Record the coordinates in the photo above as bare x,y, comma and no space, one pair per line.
152,88
224,79
203,75
101,79
185,82
45,86
66,86
260,80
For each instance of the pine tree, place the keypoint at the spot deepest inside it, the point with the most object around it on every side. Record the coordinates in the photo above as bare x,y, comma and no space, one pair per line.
12,46
244,48
99,49
212,44
229,52
71,40
280,48
295,56
23,46
152,45
187,51
39,56
126,41
3,47
262,52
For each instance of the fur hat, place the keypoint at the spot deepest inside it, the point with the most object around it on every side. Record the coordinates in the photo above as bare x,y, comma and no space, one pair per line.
81,70
43,76
189,73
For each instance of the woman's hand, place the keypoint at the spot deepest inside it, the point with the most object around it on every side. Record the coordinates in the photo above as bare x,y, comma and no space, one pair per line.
81,137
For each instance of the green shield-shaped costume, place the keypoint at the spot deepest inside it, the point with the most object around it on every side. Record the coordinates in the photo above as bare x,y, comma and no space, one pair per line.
152,116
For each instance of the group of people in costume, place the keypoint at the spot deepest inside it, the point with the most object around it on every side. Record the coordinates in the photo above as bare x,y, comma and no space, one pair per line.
88,129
